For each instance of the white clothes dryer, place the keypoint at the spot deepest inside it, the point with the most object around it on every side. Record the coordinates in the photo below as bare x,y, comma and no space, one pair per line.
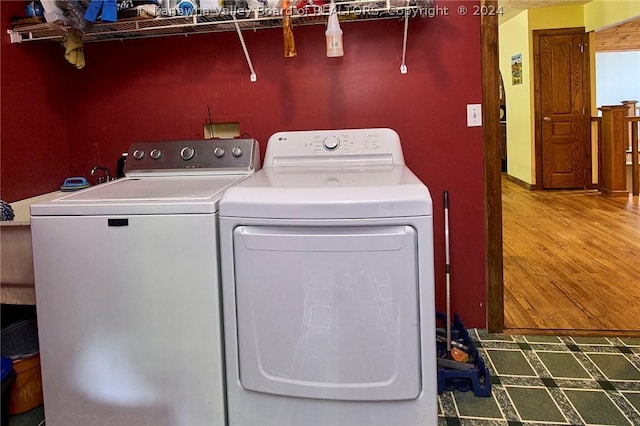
127,289
328,285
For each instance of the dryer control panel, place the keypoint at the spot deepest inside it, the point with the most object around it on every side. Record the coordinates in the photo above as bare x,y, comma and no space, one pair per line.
340,148
200,156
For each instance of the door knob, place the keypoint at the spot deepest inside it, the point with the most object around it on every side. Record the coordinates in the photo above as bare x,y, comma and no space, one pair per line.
546,119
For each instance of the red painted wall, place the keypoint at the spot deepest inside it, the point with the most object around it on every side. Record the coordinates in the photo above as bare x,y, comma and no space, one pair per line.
35,89
160,88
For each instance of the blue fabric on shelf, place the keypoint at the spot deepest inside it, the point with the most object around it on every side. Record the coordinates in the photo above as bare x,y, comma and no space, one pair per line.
106,9
110,11
93,10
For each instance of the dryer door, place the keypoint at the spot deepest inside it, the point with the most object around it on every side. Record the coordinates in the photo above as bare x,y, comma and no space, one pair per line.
328,312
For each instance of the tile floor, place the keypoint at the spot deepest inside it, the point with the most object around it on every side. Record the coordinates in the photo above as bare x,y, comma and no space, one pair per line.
549,380
536,380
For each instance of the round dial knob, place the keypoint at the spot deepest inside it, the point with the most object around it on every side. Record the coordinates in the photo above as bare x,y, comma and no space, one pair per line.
187,153
155,154
236,151
218,152
331,143
138,154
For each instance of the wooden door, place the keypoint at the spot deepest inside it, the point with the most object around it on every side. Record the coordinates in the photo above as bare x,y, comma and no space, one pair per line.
561,98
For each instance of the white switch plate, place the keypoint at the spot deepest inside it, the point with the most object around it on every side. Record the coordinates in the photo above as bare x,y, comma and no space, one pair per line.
474,115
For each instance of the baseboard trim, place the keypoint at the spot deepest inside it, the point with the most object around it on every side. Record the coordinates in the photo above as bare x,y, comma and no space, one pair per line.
571,332
520,182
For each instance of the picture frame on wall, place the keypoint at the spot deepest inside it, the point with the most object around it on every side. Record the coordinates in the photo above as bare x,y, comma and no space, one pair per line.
516,69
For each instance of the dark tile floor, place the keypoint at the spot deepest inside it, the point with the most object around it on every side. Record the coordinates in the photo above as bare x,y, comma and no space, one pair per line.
536,380
33,417
550,380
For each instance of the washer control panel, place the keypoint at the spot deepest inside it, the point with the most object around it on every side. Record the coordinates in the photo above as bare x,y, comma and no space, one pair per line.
333,147
192,156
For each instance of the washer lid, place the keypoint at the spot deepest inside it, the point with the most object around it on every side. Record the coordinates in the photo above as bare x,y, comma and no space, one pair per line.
338,193
152,195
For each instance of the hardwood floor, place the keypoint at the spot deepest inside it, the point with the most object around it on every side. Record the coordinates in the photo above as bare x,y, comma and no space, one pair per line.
571,262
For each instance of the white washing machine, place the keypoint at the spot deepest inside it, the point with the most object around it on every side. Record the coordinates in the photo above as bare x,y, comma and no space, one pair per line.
328,285
127,289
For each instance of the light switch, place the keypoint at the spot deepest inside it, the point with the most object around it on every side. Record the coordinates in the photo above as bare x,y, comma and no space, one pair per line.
474,115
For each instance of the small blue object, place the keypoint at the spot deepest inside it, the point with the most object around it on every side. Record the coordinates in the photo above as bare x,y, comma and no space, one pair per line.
34,9
7,366
8,379
186,7
74,183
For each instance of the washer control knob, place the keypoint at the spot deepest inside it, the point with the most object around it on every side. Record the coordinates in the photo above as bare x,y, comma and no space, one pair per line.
187,153
138,154
218,152
236,151
331,142
155,154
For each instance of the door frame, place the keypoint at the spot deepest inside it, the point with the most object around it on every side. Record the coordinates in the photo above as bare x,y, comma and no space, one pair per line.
492,167
586,96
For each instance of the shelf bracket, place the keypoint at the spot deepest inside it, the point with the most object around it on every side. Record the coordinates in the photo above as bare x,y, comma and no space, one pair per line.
14,36
403,66
244,49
